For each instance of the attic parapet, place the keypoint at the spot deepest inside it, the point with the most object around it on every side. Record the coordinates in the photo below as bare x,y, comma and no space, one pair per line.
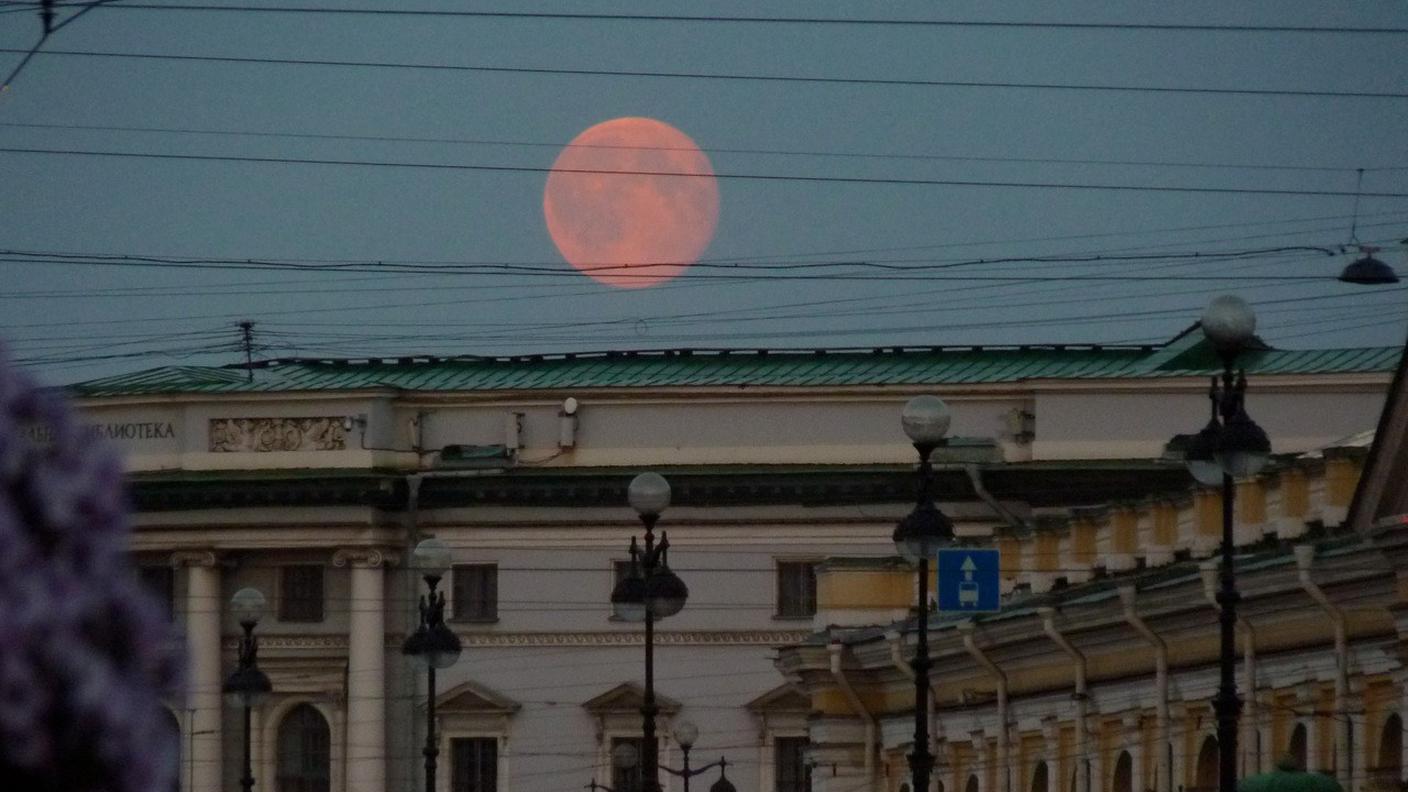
1123,528
1251,523
1078,544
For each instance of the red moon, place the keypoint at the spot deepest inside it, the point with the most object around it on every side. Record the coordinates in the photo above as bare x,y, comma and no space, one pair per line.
612,205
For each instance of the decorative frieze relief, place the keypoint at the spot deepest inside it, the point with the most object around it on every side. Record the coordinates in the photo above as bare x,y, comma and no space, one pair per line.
277,434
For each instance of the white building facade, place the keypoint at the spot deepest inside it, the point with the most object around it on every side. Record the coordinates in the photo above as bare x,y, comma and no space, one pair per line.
313,480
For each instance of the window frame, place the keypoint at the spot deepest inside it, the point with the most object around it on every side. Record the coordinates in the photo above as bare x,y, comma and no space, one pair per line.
617,781
781,595
491,613
804,781
286,614
496,740
280,778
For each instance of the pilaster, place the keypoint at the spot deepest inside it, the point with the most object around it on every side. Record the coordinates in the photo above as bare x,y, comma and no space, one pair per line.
366,668
203,607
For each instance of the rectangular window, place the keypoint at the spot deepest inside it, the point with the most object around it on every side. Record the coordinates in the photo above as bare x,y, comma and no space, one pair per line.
626,779
796,589
301,593
476,592
474,764
161,582
789,764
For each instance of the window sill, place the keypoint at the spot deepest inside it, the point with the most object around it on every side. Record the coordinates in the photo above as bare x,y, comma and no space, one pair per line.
475,620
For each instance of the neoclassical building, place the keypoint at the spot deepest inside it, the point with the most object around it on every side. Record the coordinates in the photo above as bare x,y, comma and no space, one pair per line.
311,480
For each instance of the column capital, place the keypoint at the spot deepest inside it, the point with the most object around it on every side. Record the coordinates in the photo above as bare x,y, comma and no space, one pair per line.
364,557
194,558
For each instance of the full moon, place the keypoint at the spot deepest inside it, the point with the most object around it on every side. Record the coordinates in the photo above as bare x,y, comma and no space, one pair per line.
631,202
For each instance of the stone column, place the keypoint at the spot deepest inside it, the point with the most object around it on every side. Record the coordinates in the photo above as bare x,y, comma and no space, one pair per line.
366,669
204,604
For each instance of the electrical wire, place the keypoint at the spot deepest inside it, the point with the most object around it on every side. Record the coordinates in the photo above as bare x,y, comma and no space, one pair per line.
732,77
752,20
740,176
711,150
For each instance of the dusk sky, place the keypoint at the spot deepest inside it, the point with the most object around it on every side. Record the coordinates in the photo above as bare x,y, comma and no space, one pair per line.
396,206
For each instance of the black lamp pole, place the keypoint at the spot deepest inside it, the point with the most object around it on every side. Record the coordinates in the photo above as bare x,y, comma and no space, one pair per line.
247,685
1231,446
249,648
917,537
1227,703
921,760
433,643
650,749
649,591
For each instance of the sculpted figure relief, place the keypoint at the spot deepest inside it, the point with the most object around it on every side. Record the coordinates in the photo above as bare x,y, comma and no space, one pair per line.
277,434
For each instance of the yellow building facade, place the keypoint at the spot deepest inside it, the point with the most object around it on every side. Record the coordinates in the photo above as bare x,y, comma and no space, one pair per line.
1098,673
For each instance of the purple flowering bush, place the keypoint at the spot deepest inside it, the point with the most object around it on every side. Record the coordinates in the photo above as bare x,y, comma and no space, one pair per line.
86,653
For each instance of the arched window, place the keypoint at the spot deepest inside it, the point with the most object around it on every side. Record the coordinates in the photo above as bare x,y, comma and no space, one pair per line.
1389,766
1123,780
304,757
1206,778
1296,748
1040,782
173,734
972,785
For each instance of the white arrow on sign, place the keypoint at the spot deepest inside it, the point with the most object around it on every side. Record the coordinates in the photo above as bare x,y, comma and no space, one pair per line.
968,567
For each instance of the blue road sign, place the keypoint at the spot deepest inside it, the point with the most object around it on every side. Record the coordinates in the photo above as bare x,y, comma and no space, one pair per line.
968,580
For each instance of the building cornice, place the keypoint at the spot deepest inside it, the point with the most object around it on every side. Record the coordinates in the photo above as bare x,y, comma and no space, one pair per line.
1035,483
632,638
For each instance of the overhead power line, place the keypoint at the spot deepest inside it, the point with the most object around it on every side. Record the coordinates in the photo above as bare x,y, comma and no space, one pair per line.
753,20
711,150
498,267
890,82
766,177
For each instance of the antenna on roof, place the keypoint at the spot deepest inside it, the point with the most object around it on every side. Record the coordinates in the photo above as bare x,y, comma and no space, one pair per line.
247,341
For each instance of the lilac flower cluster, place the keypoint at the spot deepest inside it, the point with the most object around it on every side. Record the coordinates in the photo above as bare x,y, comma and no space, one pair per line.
86,653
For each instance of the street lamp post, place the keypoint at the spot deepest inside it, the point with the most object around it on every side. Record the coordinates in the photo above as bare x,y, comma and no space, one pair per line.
648,592
247,687
625,757
433,644
1230,447
685,734
918,537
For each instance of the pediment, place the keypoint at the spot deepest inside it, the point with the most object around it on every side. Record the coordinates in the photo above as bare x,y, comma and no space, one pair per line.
628,697
469,698
783,698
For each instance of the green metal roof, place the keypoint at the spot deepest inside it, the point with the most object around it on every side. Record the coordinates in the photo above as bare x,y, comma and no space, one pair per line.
734,368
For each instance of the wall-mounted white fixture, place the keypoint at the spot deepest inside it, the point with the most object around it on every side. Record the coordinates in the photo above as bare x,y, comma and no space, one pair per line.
567,423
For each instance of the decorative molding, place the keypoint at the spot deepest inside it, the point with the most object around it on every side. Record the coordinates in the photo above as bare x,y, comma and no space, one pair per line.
681,638
334,642
364,557
194,558
231,435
